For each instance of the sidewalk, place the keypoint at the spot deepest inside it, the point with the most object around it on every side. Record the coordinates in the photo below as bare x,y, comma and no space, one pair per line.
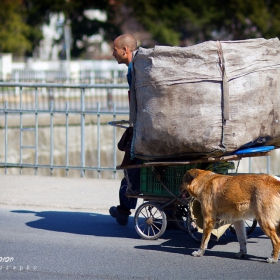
57,192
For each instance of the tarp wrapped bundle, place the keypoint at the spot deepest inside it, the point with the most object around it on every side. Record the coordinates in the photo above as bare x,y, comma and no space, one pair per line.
209,99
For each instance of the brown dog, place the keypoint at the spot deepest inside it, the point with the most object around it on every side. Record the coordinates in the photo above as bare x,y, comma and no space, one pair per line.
235,199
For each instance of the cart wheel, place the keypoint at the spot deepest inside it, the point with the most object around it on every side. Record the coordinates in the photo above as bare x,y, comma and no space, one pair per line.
150,221
193,229
195,220
180,215
250,225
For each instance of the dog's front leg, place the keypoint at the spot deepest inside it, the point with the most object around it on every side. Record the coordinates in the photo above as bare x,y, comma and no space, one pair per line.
208,225
241,237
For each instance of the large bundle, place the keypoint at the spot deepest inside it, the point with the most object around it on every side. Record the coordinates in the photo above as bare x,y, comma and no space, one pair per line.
209,99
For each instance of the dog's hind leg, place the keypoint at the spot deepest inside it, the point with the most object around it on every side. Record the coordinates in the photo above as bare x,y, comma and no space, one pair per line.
208,225
270,230
241,237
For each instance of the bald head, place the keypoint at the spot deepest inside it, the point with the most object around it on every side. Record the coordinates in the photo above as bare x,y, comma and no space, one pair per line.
126,40
123,47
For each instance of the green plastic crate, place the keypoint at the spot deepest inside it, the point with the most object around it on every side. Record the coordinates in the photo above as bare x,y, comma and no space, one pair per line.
171,177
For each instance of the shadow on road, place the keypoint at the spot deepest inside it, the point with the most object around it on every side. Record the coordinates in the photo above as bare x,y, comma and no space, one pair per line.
86,223
83,223
80,223
185,244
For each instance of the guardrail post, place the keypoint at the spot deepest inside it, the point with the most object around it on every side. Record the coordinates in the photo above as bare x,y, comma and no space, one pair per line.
109,99
51,137
98,140
268,164
66,140
115,141
36,130
6,135
82,131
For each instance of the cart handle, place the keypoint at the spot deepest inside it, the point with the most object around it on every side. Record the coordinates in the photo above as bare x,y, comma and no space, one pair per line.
119,123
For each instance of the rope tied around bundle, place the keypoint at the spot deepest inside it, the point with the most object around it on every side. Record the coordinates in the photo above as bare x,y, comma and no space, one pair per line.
225,88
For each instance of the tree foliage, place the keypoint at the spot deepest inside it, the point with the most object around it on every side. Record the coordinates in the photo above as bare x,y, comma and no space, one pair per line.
185,22
21,22
84,27
13,31
37,14
81,26
176,22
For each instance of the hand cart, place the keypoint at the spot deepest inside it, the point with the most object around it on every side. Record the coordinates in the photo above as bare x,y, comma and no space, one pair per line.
163,204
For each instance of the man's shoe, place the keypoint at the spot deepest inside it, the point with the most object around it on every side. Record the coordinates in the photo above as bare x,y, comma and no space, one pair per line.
122,219
113,211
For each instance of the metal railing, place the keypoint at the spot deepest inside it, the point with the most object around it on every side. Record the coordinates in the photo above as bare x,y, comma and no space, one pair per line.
62,129
61,76
29,110
24,94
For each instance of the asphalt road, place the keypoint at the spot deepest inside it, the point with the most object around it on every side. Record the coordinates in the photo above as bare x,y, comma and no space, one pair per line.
51,243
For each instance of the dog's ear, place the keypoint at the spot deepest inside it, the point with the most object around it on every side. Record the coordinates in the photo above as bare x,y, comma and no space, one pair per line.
194,173
188,177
